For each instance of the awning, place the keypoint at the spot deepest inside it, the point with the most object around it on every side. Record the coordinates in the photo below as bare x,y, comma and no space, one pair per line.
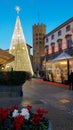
5,57
62,56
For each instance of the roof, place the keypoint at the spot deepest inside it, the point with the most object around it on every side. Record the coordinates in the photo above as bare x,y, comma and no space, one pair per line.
59,27
54,55
29,45
63,56
5,57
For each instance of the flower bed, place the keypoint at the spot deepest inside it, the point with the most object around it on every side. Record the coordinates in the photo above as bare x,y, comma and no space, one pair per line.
24,119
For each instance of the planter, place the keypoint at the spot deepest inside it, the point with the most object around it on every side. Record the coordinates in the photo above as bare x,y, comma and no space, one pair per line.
50,126
24,119
11,91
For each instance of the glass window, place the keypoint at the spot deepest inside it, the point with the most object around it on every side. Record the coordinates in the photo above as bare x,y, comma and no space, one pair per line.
40,42
53,49
36,38
40,34
52,37
69,43
68,28
40,38
36,34
60,46
59,33
46,39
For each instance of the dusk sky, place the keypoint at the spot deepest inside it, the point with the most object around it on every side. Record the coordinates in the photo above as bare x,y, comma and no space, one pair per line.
52,13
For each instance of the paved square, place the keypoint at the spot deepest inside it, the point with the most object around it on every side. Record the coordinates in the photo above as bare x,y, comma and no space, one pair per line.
64,100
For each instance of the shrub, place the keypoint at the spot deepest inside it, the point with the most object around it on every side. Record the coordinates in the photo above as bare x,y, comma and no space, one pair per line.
13,77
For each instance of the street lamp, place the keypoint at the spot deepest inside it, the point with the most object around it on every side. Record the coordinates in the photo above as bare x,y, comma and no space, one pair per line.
45,66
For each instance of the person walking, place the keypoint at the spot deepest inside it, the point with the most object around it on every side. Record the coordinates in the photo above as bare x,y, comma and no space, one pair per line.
70,80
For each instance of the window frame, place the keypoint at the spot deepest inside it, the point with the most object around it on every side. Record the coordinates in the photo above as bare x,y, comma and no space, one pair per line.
68,28
59,33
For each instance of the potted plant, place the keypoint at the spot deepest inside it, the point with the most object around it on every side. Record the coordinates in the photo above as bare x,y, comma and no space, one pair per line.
23,119
11,82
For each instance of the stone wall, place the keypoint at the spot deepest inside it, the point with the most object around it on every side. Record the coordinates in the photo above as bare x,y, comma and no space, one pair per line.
11,91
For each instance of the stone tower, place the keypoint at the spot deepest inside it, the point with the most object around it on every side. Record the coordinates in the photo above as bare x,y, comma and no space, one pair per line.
39,31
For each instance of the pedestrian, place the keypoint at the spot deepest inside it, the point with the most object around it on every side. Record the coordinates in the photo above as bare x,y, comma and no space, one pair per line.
70,80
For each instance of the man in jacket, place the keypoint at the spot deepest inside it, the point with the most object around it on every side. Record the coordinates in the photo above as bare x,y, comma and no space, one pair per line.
70,80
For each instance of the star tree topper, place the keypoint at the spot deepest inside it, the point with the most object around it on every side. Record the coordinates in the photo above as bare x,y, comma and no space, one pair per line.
17,8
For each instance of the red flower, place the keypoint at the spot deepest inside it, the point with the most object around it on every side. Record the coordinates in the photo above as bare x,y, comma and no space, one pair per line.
4,116
18,122
5,113
37,118
14,107
29,107
1,111
41,111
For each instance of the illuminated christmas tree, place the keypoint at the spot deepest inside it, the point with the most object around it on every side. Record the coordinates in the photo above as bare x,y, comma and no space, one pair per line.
19,49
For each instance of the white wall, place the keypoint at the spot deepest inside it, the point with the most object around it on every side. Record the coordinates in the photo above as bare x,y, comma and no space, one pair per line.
56,37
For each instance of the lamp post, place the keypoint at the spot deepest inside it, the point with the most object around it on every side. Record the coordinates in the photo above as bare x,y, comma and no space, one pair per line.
45,66
68,68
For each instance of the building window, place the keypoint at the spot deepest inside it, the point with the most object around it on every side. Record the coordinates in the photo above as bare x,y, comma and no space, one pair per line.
46,40
40,34
53,47
40,42
46,49
36,34
37,52
36,38
40,38
60,46
52,37
59,41
68,40
59,33
69,43
68,28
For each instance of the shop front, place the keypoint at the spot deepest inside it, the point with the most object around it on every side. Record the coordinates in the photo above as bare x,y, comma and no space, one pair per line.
58,69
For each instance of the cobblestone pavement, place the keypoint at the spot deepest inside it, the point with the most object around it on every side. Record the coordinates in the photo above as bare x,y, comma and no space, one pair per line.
57,100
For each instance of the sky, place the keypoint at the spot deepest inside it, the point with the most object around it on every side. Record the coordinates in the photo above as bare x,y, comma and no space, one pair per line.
52,13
